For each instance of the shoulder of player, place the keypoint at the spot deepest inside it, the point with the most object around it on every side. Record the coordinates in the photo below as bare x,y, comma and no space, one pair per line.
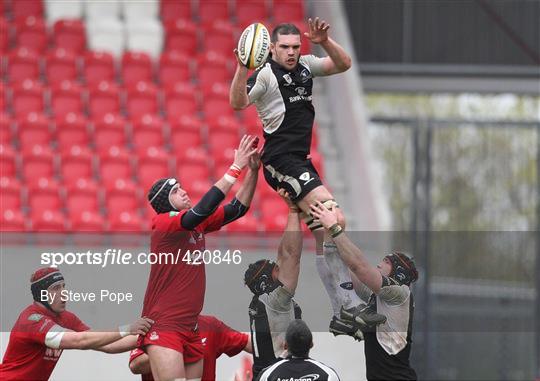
263,72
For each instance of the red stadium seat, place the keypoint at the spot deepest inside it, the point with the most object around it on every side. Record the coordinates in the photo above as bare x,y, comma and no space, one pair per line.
28,97
10,195
250,116
72,130
136,67
31,33
60,65
104,98
8,160
223,156
218,90
6,127
225,124
76,163
4,35
34,129
118,203
22,64
184,140
38,162
248,12
185,123
115,164
44,193
211,10
109,131
3,95
215,109
81,196
179,102
287,10
12,220
70,35
126,221
223,140
153,164
191,172
142,99
46,220
171,10
66,98
196,188
26,8
213,67
87,221
181,35
274,214
98,66
191,155
148,132
247,224
173,67
219,41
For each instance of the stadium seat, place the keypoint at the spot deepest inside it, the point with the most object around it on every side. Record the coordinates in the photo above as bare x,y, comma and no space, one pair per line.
185,123
84,194
136,67
287,10
213,67
148,132
106,34
87,221
145,35
66,98
196,188
104,98
152,165
181,35
4,35
225,124
248,224
173,68
57,10
8,161
37,162
109,131
47,220
274,214
20,9
223,140
179,102
10,195
98,66
6,128
28,97
188,172
191,155
43,193
70,35
174,10
126,221
218,90
118,203
211,10
182,140
223,156
219,41
12,220
142,98
248,12
33,129
31,33
115,163
71,131
102,9
22,64
77,163
215,109
140,10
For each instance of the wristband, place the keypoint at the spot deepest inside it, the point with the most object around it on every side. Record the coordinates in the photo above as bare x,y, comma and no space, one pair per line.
335,230
233,174
124,330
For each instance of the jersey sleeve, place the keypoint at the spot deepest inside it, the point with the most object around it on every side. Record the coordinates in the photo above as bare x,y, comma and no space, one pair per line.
231,342
168,222
37,328
76,324
315,65
393,293
257,84
214,221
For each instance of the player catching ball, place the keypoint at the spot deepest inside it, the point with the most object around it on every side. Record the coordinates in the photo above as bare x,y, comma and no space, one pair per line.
175,292
281,90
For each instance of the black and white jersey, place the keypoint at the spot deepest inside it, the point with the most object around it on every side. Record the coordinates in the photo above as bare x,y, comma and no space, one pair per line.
283,102
298,369
269,317
388,347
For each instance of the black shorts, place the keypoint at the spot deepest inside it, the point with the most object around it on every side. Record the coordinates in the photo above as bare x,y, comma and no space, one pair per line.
293,173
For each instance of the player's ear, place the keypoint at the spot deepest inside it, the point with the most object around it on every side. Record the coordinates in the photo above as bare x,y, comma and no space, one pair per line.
285,346
311,346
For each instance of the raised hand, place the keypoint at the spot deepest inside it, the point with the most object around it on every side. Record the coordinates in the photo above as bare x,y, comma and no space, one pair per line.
318,30
327,217
244,152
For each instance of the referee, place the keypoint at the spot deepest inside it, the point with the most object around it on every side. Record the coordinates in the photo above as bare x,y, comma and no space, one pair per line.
298,365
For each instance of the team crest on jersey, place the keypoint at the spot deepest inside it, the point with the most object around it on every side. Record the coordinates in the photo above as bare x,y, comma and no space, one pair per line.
288,79
173,213
35,317
154,335
305,75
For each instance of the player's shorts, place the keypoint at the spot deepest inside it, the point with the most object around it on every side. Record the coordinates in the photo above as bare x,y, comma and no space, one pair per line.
186,342
295,174
132,356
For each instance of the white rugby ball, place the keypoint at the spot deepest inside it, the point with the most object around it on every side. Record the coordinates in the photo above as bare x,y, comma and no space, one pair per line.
254,45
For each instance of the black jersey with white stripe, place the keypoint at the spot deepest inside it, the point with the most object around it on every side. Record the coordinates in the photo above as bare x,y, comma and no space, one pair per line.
283,100
298,369
269,316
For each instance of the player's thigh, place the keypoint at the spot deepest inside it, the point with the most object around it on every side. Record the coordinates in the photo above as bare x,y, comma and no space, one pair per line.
194,370
166,363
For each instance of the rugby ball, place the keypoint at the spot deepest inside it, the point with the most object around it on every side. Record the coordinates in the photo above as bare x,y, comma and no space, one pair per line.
254,45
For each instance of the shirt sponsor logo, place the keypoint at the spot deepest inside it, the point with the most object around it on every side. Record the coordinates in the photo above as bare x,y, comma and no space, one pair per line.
35,317
307,377
52,354
154,335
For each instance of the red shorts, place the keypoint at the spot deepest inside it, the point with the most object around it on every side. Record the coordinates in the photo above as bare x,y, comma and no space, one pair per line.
132,356
186,342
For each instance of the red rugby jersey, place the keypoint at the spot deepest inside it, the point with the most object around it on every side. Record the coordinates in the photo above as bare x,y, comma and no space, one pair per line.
175,292
27,357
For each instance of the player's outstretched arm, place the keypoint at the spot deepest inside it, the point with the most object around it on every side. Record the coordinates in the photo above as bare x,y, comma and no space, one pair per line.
95,340
349,252
247,190
338,60
242,156
290,247
238,96
123,345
